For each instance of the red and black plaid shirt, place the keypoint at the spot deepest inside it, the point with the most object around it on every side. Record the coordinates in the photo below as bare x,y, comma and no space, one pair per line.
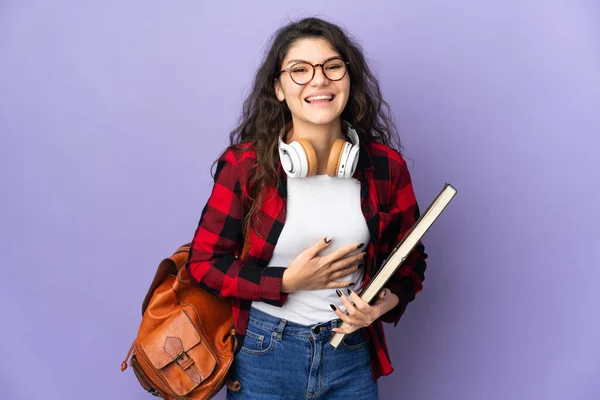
389,207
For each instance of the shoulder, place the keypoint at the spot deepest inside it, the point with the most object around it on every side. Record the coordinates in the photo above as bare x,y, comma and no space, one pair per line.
239,154
383,150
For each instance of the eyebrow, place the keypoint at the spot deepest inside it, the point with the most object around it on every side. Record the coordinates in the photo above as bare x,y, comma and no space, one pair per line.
304,61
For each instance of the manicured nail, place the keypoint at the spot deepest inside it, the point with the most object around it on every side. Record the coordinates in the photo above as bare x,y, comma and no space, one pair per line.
332,307
359,246
364,255
349,292
327,239
338,292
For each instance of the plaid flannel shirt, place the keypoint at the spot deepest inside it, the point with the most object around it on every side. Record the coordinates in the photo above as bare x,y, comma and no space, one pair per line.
390,209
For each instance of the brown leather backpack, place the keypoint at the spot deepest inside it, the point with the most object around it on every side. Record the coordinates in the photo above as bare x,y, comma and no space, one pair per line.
186,341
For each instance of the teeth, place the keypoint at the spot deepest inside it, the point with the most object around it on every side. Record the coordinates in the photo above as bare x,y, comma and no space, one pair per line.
320,98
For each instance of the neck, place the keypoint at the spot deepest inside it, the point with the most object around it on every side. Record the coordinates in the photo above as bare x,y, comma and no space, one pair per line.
321,137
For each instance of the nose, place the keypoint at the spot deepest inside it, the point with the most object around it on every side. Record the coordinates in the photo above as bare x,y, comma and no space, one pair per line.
319,79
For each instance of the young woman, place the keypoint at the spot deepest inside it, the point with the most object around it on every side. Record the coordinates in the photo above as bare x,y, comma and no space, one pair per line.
313,185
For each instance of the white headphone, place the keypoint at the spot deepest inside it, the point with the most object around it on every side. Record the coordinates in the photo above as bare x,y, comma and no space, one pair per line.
299,159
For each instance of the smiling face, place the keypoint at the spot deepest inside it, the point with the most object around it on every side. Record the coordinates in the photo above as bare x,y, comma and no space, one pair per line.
322,100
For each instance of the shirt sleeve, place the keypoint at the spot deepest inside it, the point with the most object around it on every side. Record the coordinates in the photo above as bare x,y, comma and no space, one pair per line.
407,281
213,263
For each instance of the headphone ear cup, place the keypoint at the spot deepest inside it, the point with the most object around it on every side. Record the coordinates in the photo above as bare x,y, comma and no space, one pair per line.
297,166
310,157
335,155
351,163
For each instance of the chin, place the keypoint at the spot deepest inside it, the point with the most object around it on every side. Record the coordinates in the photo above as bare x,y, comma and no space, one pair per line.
322,118
321,121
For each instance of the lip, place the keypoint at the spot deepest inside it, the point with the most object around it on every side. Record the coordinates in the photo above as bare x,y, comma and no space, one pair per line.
320,94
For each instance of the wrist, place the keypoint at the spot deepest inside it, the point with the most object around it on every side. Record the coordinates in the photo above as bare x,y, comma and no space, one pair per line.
391,302
395,300
287,282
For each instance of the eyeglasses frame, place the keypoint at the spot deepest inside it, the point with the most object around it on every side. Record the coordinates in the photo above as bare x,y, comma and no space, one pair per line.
314,69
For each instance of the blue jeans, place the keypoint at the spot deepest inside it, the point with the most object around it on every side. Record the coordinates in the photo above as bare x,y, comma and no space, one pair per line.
284,360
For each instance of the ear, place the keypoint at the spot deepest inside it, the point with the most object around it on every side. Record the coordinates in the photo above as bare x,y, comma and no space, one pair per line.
278,90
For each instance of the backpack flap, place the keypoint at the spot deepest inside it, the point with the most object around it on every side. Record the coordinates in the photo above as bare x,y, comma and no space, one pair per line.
176,349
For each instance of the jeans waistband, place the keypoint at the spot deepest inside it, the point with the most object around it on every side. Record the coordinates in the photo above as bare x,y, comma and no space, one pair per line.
283,326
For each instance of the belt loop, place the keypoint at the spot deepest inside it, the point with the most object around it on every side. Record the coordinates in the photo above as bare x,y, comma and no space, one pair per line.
279,333
335,323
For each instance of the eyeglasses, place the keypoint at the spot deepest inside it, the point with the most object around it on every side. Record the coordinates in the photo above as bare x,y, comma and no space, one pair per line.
303,72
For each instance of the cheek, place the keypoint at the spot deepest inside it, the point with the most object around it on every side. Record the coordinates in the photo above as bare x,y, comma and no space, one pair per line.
292,93
345,98
344,87
294,99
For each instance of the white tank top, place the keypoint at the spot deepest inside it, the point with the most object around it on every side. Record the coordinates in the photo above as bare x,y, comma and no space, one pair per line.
318,206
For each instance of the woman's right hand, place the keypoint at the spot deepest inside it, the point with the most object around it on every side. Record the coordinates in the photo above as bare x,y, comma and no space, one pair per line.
309,271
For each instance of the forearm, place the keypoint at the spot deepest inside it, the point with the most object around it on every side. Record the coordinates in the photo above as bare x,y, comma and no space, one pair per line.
227,276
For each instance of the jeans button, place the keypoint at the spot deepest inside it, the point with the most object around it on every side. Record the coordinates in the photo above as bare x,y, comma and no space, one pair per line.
316,330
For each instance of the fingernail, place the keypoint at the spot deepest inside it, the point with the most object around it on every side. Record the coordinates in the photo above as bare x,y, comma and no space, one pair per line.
338,292
327,239
360,245
349,292
364,255
332,307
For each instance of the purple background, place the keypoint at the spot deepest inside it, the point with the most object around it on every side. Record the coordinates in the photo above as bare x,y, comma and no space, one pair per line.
111,114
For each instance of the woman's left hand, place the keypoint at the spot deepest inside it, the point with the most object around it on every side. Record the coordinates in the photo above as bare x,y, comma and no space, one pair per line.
361,314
